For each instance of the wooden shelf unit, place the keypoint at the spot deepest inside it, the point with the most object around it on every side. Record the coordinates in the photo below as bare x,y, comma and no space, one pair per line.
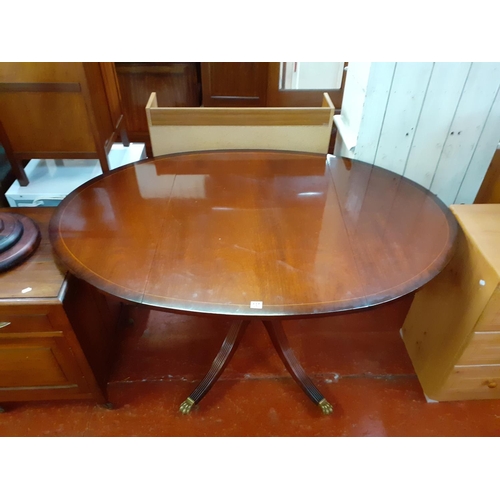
452,331
176,130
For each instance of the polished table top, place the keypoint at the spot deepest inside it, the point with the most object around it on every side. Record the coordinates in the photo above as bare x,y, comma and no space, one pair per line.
253,233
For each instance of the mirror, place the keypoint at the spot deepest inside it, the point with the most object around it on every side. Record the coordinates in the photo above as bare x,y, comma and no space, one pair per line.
311,75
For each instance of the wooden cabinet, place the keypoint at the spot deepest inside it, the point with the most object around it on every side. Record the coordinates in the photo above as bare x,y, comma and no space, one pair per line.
489,192
175,84
56,332
234,83
59,110
452,331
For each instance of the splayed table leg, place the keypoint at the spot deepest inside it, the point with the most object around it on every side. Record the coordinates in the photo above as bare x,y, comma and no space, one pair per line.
219,364
280,341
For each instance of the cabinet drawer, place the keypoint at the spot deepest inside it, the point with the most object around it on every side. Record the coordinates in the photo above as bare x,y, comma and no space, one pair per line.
490,317
483,349
31,365
474,382
22,323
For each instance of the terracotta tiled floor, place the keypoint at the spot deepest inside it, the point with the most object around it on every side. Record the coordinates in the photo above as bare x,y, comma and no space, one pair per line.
357,360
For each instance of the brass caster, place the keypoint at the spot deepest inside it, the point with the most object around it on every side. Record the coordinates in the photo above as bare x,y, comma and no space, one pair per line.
326,407
185,407
107,406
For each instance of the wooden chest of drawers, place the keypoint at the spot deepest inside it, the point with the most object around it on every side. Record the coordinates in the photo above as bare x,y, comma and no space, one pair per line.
452,331
56,332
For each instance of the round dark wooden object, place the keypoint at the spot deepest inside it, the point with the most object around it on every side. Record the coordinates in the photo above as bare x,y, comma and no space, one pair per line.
19,238
253,233
11,230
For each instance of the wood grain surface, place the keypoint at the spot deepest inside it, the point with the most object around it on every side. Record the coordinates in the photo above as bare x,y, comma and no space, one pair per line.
41,272
212,232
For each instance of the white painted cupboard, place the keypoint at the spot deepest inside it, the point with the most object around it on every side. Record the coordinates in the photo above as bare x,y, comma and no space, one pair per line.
435,123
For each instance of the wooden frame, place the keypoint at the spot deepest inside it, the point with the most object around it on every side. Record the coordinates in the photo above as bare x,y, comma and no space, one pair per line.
175,130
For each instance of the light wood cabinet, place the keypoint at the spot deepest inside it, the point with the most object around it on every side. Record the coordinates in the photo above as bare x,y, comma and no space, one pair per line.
59,110
56,332
452,331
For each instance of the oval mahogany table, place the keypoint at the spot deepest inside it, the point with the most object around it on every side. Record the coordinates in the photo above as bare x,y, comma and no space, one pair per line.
253,235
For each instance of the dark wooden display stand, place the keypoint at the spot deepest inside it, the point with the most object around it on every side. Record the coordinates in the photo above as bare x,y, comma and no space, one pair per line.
56,332
59,110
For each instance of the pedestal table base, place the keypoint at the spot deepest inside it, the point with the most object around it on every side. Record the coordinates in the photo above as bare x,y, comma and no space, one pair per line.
280,342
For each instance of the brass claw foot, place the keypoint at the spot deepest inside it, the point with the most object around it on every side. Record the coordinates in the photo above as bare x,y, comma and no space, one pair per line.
326,407
185,407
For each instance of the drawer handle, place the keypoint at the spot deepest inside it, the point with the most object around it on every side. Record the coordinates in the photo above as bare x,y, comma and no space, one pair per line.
3,324
491,384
